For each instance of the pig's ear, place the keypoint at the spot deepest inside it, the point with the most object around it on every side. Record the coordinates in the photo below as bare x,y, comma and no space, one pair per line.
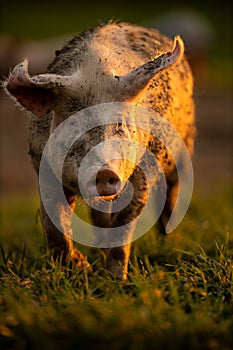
133,82
36,94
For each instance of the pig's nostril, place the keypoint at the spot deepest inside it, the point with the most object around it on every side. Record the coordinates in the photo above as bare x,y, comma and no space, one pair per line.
113,180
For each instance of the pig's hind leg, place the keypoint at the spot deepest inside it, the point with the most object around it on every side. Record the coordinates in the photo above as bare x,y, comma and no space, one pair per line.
171,196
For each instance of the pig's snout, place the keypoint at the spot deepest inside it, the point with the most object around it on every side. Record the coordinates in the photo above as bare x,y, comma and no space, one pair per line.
106,183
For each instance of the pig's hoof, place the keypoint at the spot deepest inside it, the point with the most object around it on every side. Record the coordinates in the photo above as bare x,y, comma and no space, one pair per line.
79,260
117,272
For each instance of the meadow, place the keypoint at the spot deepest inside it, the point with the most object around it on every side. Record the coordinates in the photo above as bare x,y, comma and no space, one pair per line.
179,293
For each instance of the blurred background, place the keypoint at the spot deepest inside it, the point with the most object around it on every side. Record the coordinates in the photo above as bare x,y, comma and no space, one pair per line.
36,29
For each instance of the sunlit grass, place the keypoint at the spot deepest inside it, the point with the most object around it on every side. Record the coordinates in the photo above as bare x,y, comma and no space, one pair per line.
179,294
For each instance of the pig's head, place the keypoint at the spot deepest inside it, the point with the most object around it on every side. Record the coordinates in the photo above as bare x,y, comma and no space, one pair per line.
91,85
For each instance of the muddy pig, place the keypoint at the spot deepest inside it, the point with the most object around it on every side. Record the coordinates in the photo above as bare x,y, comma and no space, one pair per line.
112,63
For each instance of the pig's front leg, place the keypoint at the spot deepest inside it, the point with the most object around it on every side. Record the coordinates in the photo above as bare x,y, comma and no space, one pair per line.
117,261
116,257
125,220
60,241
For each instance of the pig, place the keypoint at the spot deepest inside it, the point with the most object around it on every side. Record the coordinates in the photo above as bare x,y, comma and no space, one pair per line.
114,62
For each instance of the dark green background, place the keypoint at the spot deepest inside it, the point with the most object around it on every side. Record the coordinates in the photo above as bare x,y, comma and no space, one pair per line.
39,19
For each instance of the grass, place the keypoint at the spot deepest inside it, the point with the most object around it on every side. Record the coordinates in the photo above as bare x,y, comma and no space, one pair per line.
179,295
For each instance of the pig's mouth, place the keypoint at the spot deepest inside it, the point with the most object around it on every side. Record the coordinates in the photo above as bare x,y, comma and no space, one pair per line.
110,198
113,203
